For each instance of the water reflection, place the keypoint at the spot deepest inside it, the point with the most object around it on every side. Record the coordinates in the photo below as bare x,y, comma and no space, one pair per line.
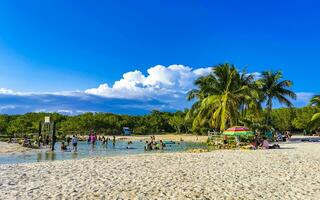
39,156
74,155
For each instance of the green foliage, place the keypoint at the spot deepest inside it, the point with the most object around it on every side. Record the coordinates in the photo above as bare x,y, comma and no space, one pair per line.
220,95
282,118
303,117
178,122
227,97
315,120
102,123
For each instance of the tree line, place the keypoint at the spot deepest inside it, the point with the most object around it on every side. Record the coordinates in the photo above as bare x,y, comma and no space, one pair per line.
294,119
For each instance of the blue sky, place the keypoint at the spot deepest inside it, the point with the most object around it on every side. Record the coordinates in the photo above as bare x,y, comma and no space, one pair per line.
74,48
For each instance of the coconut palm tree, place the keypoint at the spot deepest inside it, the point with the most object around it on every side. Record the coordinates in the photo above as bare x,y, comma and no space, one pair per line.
315,101
273,87
220,96
251,100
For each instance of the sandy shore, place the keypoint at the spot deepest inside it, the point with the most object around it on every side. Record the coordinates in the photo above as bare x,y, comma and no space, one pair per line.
6,148
289,173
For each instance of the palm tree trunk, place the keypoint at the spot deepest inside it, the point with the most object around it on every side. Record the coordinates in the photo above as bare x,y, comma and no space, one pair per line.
269,108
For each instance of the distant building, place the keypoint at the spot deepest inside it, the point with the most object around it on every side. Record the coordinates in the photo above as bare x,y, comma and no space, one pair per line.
126,131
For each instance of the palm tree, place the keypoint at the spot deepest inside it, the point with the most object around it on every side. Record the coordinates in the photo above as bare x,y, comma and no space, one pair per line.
272,87
315,101
220,96
251,100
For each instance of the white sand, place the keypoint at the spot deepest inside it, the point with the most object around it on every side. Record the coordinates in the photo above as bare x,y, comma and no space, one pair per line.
292,173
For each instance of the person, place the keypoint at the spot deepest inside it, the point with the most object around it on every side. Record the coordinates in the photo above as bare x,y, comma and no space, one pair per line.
103,140
153,145
129,143
47,140
225,139
114,141
279,137
40,142
237,138
162,145
254,145
68,139
74,141
63,147
265,143
25,141
146,147
256,141
93,139
288,135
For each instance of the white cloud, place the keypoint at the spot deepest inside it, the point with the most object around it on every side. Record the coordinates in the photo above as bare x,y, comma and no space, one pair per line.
7,107
172,81
6,91
257,75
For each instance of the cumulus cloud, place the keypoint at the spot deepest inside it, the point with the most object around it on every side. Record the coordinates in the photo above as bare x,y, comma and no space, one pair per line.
6,91
172,81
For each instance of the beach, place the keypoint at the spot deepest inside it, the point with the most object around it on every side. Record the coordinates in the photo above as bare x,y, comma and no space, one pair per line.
288,173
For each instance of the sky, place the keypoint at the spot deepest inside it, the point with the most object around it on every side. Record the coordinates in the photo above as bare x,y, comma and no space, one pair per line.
130,57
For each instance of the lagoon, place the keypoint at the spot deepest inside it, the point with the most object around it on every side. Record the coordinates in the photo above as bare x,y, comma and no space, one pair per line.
87,150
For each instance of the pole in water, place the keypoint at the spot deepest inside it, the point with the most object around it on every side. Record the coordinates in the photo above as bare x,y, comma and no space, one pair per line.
53,136
40,124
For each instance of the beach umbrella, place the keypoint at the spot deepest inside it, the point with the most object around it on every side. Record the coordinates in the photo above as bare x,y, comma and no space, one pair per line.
237,131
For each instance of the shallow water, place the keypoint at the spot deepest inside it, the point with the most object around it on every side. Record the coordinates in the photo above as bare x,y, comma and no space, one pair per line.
88,150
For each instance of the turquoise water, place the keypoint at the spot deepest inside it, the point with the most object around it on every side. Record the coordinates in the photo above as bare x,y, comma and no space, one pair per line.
87,150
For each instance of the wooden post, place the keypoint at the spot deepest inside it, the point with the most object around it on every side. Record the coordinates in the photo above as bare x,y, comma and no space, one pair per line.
53,136
40,129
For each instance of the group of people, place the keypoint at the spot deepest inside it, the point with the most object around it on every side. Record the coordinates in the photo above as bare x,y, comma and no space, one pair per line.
74,142
262,142
93,138
40,142
282,138
153,145
105,140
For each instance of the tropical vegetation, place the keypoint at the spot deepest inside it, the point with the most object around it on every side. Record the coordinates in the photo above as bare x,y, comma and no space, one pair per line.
315,120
